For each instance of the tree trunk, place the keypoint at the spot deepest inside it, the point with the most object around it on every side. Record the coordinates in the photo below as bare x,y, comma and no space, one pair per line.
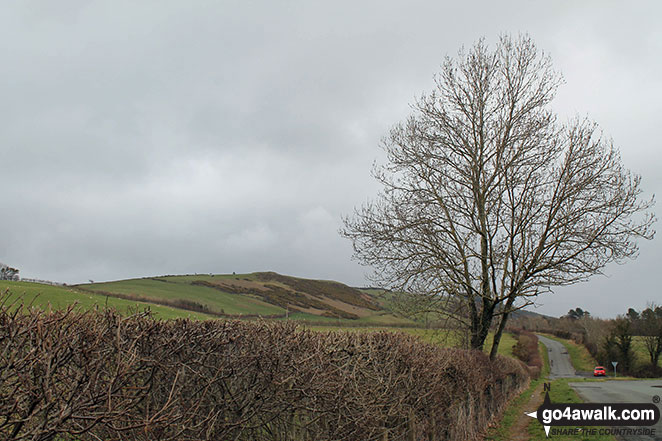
655,355
497,336
502,326
480,325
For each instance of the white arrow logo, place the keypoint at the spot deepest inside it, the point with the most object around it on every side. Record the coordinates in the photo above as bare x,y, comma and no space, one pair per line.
535,415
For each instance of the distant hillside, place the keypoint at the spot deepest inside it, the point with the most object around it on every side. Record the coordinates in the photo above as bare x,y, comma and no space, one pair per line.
265,294
204,296
60,297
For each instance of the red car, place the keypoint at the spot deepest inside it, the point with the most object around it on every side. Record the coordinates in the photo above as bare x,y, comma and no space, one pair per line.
599,371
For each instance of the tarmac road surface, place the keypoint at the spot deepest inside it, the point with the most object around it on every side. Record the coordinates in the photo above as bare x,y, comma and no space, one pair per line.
559,360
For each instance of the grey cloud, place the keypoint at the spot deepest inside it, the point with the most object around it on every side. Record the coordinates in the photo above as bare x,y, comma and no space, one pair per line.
141,138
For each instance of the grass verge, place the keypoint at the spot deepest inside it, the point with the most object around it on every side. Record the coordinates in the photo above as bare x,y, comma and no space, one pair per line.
503,431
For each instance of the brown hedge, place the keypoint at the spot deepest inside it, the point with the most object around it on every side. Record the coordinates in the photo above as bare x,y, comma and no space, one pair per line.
526,349
96,375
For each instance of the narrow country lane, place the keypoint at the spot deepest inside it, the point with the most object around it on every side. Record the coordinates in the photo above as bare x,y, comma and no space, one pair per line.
559,360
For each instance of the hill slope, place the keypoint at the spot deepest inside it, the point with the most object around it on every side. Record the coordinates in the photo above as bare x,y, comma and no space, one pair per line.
264,294
60,297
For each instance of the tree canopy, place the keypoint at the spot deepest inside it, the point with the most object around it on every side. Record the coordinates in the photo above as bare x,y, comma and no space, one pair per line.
488,200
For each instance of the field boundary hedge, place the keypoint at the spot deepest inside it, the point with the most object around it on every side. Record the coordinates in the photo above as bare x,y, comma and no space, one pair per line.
97,375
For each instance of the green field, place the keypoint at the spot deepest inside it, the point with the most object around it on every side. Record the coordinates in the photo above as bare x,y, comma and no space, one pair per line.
441,337
57,297
436,336
641,354
380,318
180,287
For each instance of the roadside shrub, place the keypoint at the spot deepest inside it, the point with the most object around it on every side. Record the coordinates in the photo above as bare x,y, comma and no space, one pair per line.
617,346
647,371
526,349
97,375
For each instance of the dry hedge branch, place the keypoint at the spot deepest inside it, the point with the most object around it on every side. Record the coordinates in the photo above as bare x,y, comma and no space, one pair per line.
99,376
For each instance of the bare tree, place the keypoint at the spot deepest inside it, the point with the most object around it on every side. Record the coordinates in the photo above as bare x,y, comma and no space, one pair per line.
488,201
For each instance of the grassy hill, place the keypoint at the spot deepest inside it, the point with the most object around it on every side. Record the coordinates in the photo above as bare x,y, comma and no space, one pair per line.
331,304
58,297
265,294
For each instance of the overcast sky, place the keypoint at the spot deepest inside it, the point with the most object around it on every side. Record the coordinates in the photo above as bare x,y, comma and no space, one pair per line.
169,137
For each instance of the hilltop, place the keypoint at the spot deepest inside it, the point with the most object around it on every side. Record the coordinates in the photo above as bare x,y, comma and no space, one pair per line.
200,296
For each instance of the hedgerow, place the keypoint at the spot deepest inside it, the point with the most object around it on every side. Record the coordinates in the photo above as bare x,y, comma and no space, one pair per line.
97,375
526,349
